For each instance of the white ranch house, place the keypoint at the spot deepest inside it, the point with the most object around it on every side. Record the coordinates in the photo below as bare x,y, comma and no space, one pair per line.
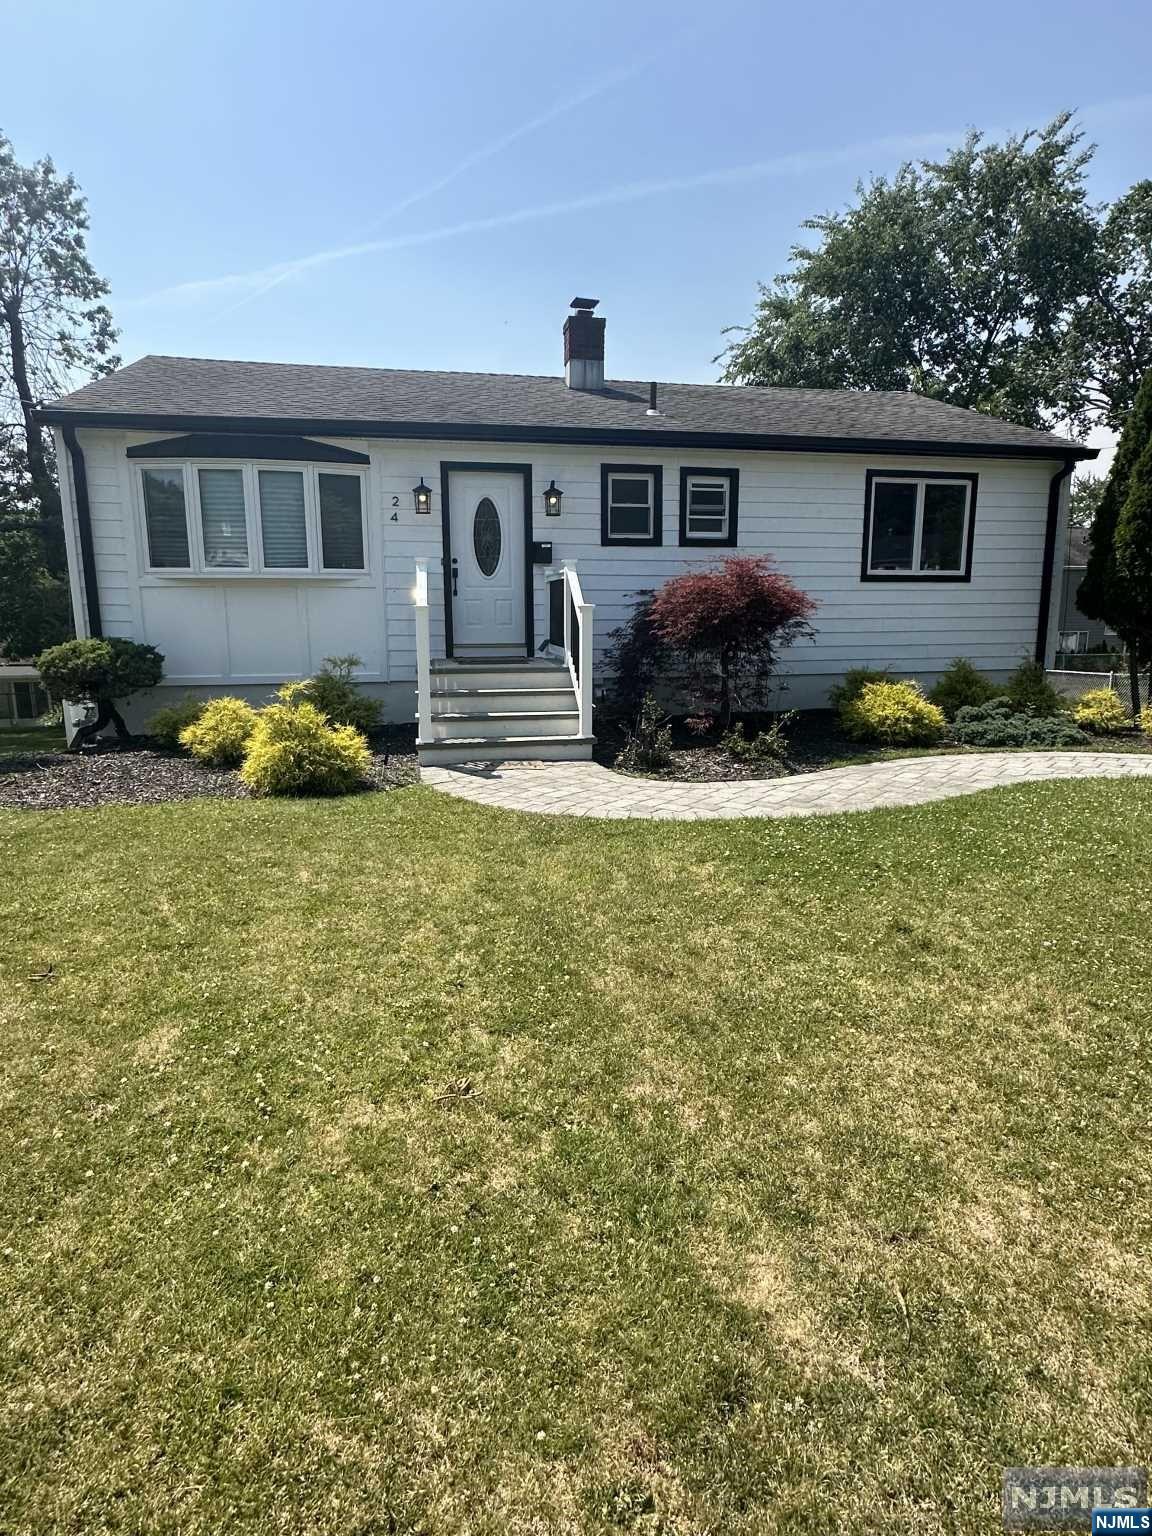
474,538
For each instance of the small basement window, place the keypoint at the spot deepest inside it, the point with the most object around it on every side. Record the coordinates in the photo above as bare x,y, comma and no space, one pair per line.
209,518
708,500
631,504
918,526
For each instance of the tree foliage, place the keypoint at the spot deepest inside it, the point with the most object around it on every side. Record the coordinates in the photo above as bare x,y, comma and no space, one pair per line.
54,331
35,608
731,625
986,280
1084,499
1116,588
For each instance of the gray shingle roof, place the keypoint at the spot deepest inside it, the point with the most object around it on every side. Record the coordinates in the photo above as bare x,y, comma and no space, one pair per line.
187,391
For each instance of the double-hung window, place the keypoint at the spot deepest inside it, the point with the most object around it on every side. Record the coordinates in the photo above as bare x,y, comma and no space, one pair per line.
631,504
258,519
708,506
918,525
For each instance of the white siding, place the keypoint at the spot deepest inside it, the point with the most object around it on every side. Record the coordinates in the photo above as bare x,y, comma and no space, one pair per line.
805,509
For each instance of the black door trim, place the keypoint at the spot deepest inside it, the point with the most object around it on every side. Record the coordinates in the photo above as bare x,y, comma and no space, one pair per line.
455,466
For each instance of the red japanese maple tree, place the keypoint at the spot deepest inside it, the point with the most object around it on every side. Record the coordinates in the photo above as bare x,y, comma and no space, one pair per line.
733,623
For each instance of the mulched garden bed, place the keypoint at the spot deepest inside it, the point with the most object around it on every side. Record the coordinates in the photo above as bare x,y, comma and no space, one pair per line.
141,775
815,741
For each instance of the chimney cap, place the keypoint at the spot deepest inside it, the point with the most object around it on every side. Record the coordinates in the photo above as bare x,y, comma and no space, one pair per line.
583,303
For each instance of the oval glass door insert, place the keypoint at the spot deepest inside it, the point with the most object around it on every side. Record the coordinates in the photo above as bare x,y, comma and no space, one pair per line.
486,536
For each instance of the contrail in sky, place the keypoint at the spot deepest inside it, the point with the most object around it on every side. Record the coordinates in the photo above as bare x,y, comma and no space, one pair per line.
246,285
476,157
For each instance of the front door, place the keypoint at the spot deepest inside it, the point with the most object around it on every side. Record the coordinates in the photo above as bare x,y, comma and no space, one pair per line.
487,562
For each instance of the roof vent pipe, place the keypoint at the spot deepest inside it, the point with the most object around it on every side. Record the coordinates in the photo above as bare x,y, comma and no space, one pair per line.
653,409
584,346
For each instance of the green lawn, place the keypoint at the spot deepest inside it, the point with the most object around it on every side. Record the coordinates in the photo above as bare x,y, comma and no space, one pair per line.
39,738
393,1165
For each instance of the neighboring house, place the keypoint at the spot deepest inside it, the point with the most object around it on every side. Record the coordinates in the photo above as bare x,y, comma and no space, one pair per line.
475,537
23,698
1078,633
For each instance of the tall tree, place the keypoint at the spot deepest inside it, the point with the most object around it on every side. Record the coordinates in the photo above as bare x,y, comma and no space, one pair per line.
1117,584
985,279
1109,340
1084,499
54,331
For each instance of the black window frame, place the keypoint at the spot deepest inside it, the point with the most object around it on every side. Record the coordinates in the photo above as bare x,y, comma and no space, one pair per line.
702,541
657,473
962,575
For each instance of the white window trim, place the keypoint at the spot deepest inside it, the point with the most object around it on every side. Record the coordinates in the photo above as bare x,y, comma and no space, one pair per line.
197,568
711,483
915,572
631,506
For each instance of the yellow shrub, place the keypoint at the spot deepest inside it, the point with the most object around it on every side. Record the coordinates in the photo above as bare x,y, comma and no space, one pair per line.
896,714
1146,720
1100,710
294,751
221,733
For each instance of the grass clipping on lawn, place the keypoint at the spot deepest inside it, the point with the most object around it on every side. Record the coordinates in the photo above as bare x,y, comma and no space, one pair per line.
390,1164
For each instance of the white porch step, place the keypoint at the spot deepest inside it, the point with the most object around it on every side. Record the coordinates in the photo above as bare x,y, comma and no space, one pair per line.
504,700
488,710
454,676
488,724
551,749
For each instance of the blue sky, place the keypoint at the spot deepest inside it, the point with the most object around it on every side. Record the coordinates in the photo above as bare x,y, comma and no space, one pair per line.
428,185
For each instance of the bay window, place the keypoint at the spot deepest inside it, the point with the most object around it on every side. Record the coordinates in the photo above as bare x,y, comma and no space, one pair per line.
244,518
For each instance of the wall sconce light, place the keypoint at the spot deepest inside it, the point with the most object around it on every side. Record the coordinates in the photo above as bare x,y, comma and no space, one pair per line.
422,496
552,498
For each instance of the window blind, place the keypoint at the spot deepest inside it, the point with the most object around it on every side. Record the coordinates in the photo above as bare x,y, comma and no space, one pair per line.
283,526
223,519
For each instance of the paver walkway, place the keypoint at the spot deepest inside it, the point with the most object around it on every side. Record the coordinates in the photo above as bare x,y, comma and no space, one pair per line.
588,789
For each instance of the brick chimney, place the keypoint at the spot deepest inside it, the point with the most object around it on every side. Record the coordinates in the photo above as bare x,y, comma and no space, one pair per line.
584,346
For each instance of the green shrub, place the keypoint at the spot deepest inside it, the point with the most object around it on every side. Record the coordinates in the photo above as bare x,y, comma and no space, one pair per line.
649,745
335,695
770,746
167,724
997,724
1101,712
99,672
1029,691
91,671
896,714
960,686
294,751
220,733
853,683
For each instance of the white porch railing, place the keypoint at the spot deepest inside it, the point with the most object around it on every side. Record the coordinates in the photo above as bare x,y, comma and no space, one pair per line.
423,653
570,627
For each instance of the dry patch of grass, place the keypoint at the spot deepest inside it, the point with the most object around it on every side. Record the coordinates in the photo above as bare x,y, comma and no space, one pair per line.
393,1165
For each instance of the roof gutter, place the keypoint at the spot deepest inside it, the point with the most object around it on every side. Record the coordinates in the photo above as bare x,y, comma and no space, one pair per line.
481,432
1052,528
84,530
